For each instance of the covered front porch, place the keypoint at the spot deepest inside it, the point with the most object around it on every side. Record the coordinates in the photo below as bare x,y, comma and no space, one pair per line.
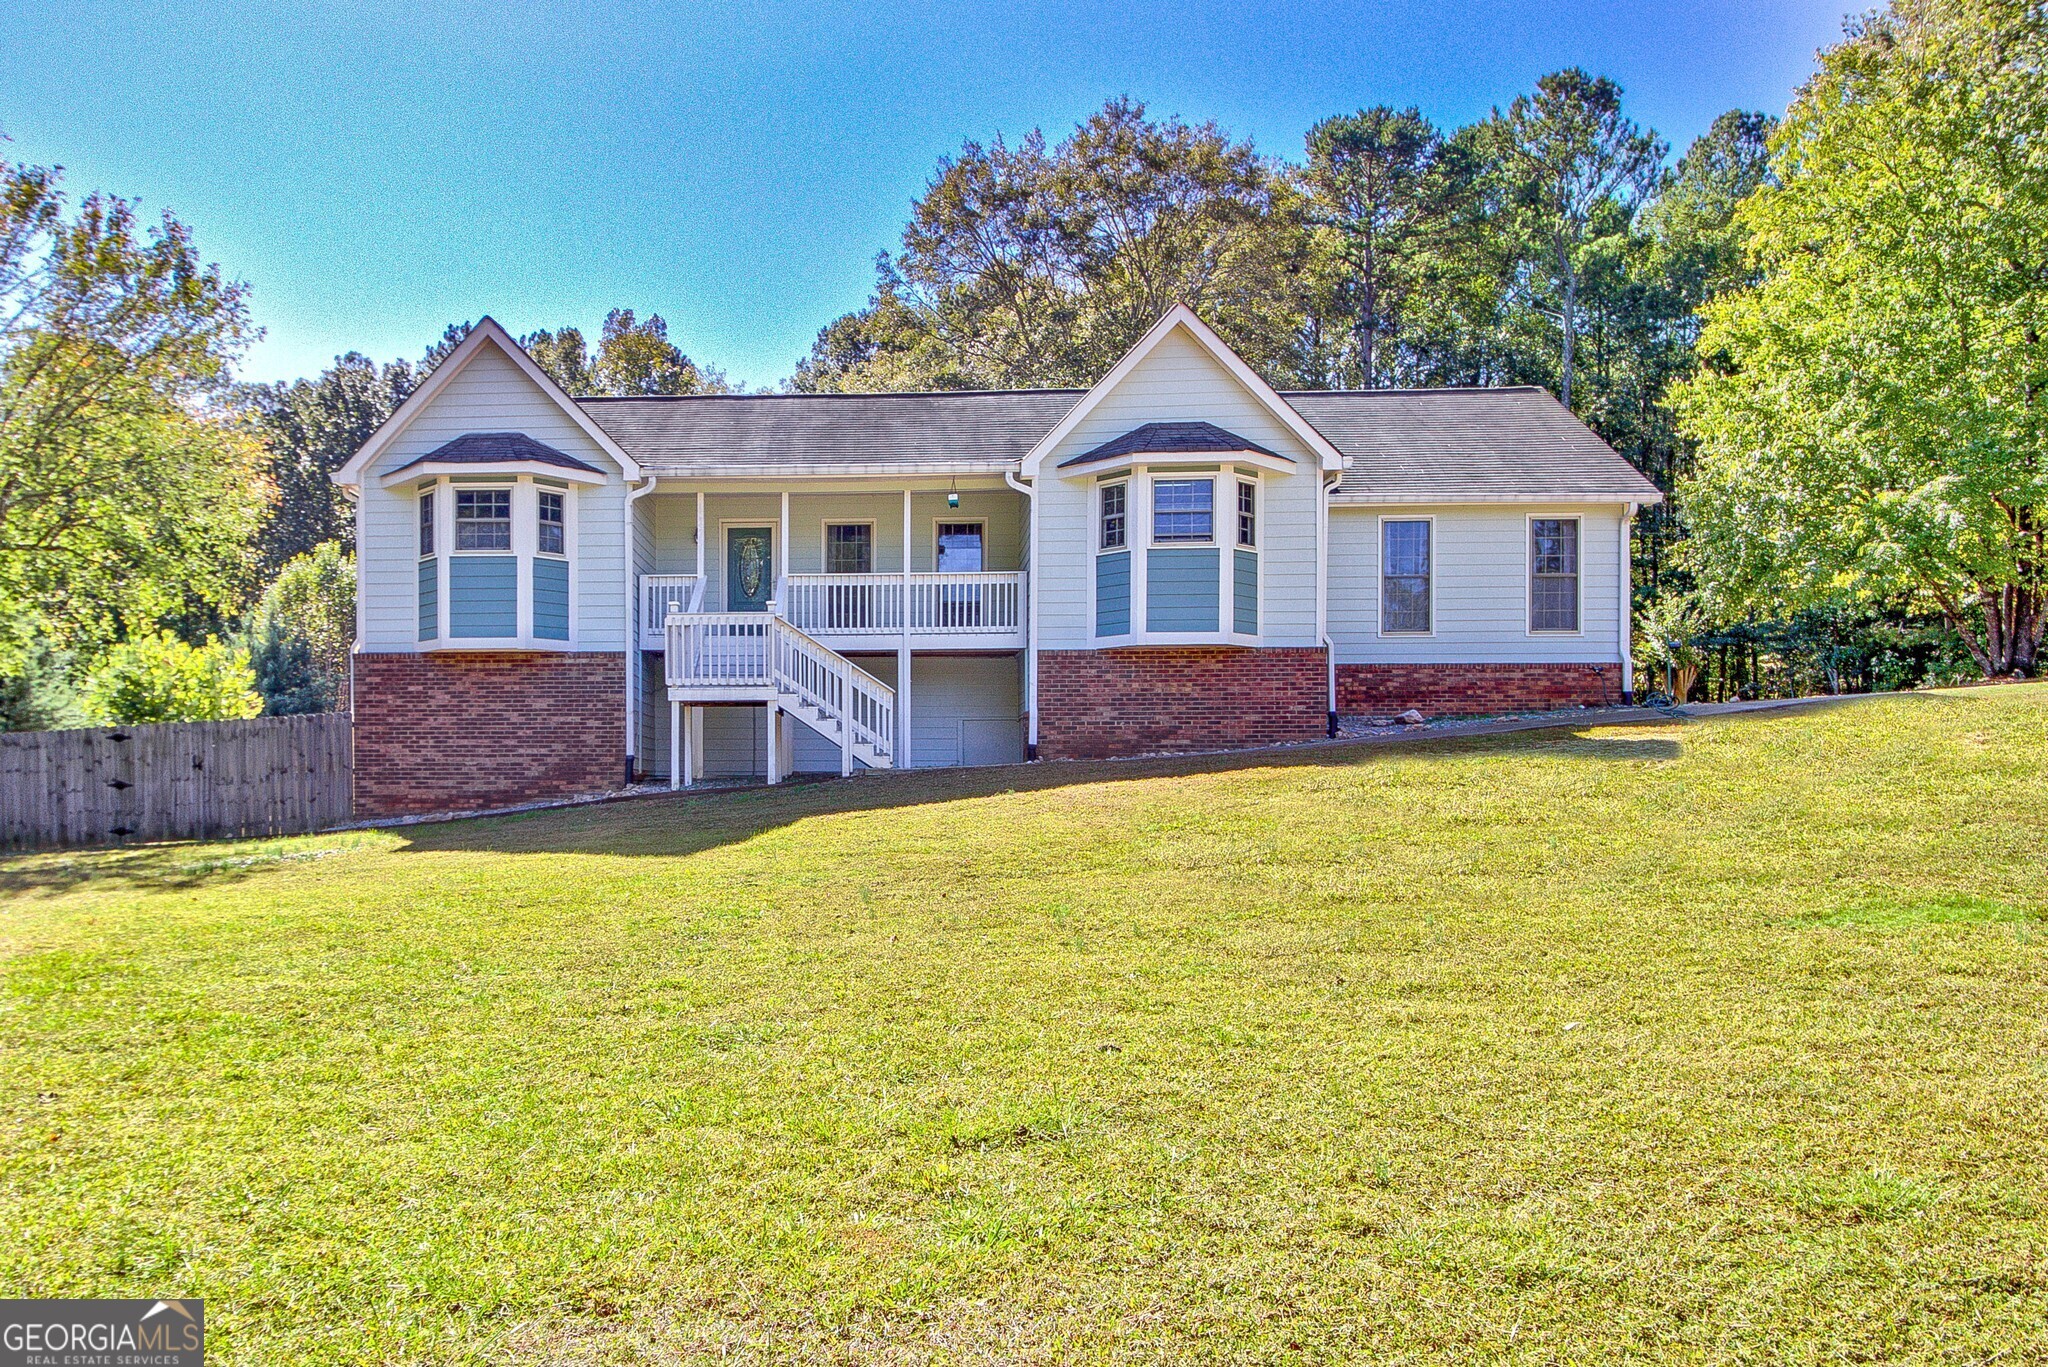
930,566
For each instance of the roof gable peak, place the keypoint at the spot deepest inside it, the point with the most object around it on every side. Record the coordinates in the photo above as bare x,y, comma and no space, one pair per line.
1182,319
486,333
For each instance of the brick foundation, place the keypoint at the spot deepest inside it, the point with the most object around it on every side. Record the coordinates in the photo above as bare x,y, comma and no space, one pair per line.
1137,701
1474,689
453,731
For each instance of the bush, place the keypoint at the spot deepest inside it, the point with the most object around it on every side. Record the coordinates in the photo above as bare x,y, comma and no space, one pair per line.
36,693
301,630
160,678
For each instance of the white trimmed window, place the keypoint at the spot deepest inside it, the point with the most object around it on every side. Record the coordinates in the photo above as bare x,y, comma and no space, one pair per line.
1405,576
552,525
849,548
1553,574
1247,514
483,519
426,524
1113,515
1183,510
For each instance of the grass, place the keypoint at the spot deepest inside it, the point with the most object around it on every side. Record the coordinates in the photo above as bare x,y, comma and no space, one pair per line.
1723,1041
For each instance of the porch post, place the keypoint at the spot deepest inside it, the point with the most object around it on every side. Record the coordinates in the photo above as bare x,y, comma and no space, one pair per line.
845,723
774,743
903,652
700,544
689,745
676,750
695,723
782,555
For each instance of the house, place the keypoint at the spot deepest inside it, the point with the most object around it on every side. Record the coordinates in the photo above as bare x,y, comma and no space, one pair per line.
556,593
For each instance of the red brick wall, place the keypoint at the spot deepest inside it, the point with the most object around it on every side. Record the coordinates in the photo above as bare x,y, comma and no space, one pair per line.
1474,689
1143,700
457,731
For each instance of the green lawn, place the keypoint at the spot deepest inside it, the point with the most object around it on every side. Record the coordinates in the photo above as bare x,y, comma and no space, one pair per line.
1724,1041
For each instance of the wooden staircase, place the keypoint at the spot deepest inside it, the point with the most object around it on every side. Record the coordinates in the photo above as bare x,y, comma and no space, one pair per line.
761,657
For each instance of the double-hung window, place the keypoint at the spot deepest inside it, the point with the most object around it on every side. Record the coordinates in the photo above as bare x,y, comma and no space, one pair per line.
1247,514
849,548
551,539
1404,576
1113,519
427,523
1183,510
483,519
1553,574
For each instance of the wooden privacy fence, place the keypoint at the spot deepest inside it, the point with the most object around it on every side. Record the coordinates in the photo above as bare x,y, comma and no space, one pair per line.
178,780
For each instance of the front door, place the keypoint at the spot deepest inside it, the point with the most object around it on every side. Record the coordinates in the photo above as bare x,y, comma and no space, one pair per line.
749,568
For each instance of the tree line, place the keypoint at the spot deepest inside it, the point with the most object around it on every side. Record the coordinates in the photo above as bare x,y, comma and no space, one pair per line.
1821,337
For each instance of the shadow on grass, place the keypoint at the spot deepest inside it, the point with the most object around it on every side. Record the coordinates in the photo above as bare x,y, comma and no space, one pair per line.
673,824
686,823
666,824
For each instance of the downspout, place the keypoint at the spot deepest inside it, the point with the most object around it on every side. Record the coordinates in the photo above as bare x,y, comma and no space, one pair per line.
1323,488
354,494
1625,631
1030,492
634,662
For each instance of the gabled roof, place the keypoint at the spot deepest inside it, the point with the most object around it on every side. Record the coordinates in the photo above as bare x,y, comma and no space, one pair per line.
1468,445
1171,439
488,332
496,448
1181,318
970,432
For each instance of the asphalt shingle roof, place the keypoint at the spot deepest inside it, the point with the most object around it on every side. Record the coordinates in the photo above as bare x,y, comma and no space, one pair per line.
490,448
1468,445
1452,445
1174,438
981,431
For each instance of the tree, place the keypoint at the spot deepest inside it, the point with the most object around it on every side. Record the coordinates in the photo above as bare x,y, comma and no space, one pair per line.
1391,198
301,631
158,678
1877,430
1670,635
1575,170
127,493
1699,243
310,428
632,358
1035,266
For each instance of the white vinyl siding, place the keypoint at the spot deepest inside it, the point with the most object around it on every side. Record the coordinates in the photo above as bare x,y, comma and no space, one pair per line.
1479,559
1177,382
490,395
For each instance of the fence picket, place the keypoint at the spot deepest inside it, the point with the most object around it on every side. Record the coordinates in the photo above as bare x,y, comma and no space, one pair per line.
175,781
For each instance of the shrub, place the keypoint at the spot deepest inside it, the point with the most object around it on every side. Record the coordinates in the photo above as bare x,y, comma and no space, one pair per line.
301,630
36,693
161,678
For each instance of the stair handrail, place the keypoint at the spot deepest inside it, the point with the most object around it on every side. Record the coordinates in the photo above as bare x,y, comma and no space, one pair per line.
833,684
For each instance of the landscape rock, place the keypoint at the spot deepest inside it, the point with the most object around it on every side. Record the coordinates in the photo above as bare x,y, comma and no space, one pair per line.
1412,717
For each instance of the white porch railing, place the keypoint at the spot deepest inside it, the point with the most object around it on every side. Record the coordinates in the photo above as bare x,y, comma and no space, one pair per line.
657,591
716,653
956,604
717,650
834,685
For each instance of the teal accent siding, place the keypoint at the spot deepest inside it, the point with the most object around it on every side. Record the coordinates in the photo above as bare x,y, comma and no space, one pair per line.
1113,594
1246,609
550,599
1182,592
483,595
430,599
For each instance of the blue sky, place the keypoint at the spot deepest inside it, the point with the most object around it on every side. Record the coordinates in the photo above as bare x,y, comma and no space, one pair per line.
375,170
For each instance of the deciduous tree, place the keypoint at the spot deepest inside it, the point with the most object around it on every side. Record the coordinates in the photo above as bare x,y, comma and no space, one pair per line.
1878,429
